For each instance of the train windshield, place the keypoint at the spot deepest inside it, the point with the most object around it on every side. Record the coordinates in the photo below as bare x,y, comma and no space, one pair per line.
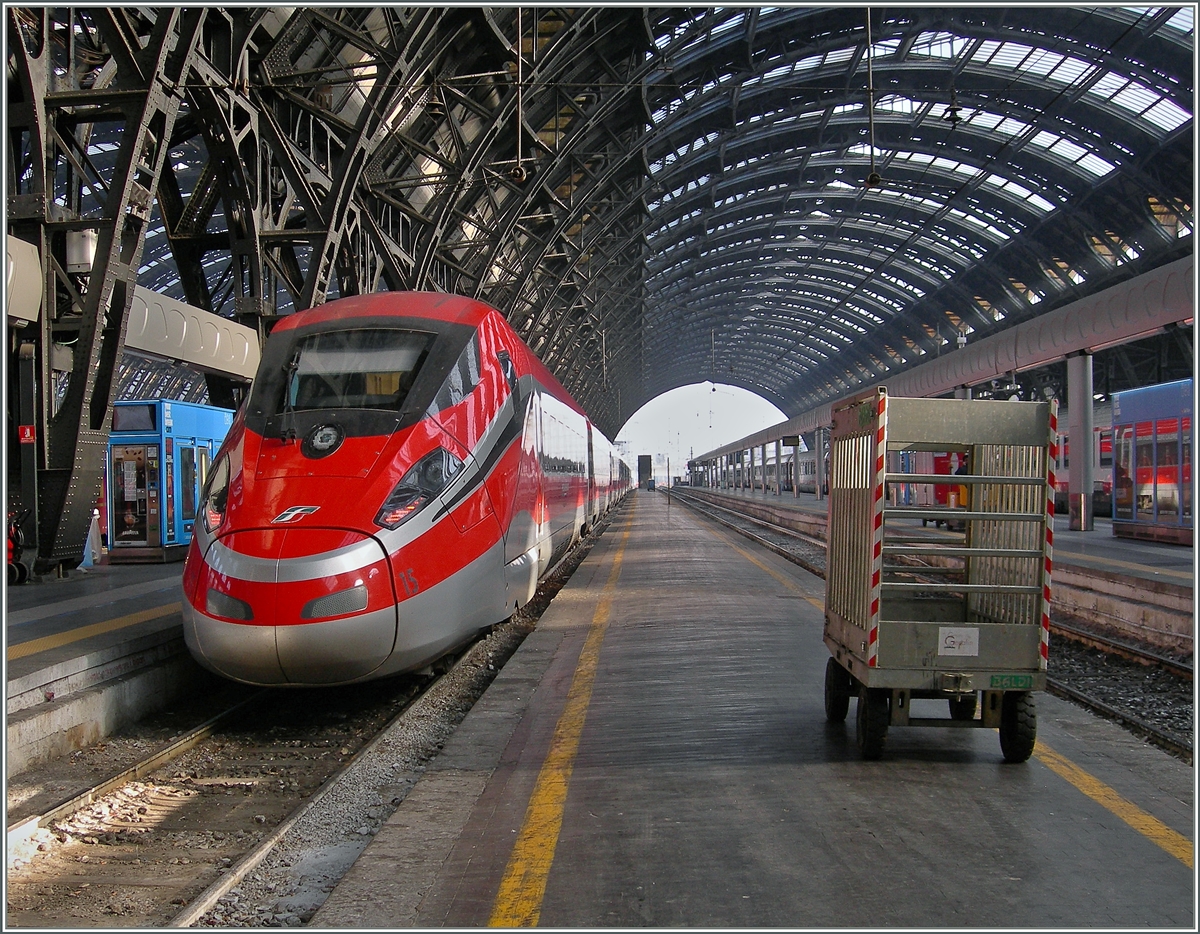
369,368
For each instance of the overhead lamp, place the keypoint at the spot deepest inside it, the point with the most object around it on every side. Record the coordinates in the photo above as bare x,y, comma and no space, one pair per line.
953,111
961,339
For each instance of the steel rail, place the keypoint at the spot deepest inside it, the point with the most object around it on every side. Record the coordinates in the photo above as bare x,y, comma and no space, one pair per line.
155,760
1173,743
707,509
207,899
1105,643
1128,650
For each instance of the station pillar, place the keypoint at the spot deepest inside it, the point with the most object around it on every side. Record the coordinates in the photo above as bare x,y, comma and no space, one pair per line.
764,468
778,467
27,410
796,469
819,450
1080,478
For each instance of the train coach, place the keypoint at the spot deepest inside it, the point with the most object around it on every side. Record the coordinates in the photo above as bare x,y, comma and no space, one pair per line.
1101,454
402,475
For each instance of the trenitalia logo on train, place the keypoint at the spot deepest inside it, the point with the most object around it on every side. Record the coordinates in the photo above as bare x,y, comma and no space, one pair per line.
401,476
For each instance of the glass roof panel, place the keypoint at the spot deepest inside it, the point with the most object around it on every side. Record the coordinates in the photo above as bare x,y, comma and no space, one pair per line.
1184,20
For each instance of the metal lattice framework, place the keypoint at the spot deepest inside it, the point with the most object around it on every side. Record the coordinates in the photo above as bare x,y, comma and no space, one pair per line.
654,197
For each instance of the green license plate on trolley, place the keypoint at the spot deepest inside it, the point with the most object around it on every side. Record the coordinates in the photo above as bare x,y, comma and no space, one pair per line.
1012,682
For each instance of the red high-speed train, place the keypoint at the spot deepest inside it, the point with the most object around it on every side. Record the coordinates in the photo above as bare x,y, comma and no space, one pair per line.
402,474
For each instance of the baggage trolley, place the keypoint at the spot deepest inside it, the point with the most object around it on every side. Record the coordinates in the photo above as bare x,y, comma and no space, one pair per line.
915,613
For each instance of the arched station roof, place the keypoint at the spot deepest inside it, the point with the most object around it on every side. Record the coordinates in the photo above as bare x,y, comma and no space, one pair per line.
796,200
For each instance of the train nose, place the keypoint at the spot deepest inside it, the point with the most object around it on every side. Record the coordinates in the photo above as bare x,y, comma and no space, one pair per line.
296,606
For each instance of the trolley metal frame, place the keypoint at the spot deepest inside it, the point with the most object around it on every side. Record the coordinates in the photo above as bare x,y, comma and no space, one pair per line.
962,616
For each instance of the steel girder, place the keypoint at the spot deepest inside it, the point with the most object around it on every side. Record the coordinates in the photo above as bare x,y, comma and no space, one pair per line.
60,188
739,118
652,196
280,158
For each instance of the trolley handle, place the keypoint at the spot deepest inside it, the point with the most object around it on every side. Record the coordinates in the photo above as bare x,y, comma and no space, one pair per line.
953,479
926,512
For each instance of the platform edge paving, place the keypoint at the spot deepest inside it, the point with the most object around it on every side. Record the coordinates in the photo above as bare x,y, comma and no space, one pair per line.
40,672
59,727
385,886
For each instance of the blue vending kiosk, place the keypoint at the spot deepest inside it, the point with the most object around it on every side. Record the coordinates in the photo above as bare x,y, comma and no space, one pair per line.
158,456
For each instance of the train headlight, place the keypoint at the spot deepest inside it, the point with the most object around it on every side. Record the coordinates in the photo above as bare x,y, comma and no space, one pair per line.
424,480
215,495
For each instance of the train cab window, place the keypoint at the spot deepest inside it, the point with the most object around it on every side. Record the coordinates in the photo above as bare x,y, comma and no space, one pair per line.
462,378
368,368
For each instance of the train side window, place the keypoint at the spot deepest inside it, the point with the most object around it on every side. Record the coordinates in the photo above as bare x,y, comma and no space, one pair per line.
461,380
508,369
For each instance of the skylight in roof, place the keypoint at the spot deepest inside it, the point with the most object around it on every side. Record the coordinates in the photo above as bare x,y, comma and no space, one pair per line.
939,45
1131,96
894,103
1184,20
728,24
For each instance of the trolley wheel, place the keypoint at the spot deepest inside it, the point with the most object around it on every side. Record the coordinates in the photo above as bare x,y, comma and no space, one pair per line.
871,724
837,692
963,708
12,574
1018,725
22,572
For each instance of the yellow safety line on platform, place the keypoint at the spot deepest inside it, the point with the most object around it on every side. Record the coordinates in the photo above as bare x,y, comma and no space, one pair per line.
519,899
786,581
33,646
1148,826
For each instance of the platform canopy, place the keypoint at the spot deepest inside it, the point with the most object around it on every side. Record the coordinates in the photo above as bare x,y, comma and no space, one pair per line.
796,200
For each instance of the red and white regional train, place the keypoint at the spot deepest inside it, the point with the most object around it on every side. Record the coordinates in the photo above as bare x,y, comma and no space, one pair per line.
403,473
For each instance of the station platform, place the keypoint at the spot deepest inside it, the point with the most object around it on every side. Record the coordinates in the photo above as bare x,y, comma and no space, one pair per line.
1098,550
88,653
656,754
54,619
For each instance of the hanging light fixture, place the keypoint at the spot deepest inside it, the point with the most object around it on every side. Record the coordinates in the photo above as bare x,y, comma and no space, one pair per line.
953,114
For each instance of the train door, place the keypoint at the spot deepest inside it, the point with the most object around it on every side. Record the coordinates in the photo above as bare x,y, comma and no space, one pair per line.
133,473
1143,493
1185,468
1123,471
1166,472
593,492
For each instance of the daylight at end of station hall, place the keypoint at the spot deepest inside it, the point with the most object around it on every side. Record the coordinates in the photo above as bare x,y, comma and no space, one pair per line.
836,363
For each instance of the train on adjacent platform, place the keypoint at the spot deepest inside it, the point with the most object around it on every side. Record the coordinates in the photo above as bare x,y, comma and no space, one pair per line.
402,474
1101,453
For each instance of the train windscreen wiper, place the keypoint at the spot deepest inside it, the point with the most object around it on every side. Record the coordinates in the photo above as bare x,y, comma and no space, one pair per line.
288,421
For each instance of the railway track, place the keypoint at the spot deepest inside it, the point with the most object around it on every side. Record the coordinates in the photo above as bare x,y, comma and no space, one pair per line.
174,832
809,552
250,818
